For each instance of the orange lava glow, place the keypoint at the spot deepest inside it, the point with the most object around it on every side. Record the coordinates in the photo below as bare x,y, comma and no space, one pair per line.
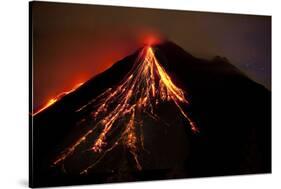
150,38
121,108
55,99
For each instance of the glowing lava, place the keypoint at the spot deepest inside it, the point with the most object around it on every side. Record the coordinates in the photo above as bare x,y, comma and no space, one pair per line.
55,99
121,109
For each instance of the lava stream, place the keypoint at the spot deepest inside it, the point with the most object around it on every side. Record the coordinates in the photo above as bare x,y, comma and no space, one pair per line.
55,99
121,107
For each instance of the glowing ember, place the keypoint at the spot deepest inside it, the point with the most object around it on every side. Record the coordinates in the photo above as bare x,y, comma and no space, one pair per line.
58,97
121,108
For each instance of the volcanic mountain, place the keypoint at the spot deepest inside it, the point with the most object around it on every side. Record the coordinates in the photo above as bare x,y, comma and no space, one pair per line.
159,113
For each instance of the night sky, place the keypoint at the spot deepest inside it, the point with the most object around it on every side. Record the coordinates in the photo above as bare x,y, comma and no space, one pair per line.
73,42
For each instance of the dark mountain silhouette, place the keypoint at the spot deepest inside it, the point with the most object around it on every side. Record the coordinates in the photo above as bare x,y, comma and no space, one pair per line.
233,114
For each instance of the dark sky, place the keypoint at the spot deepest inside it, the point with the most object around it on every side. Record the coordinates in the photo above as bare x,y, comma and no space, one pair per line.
73,42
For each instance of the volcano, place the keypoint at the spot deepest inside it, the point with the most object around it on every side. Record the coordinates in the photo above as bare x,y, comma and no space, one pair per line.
159,113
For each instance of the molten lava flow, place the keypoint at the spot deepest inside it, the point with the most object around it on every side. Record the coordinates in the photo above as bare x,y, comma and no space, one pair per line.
55,99
121,109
